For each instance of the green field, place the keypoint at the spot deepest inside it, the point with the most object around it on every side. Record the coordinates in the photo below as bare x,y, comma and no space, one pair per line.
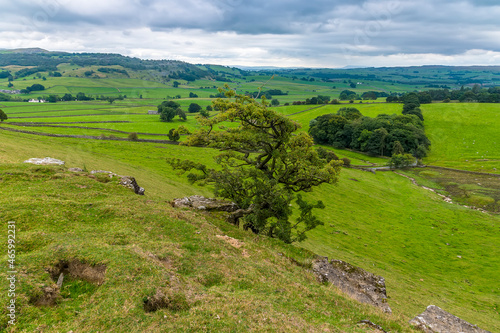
464,136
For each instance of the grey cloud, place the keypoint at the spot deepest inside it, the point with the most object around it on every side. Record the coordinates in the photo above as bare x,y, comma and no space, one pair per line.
300,29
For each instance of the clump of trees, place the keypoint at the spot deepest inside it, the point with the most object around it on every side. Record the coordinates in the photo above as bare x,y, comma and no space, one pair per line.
34,87
412,105
169,109
263,166
314,100
349,95
464,94
348,128
194,107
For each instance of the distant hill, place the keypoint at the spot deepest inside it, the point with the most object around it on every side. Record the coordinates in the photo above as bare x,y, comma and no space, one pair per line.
48,61
26,50
415,77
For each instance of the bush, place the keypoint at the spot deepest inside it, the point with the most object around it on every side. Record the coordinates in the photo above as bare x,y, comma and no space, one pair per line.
347,162
193,107
133,136
328,155
401,161
173,135
204,113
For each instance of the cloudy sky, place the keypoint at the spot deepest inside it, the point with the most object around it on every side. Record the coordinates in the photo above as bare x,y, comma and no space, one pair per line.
285,33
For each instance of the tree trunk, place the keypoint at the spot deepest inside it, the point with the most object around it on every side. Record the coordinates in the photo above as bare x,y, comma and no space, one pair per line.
234,217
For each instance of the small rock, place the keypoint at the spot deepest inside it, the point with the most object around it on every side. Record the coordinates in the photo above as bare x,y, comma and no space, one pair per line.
75,169
93,172
131,183
44,161
459,257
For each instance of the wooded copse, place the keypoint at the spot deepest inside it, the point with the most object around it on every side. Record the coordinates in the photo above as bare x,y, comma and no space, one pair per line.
348,128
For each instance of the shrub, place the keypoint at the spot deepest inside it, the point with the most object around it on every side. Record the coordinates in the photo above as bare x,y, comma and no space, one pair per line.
401,161
133,136
173,135
328,155
347,162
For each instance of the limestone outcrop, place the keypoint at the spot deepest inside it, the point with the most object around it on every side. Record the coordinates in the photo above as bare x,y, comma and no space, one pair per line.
202,203
359,284
436,320
44,161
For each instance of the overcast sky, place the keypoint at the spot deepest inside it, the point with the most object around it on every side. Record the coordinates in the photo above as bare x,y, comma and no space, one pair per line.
285,33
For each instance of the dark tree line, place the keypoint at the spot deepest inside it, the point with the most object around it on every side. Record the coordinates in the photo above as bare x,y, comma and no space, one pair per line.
348,128
464,94
314,100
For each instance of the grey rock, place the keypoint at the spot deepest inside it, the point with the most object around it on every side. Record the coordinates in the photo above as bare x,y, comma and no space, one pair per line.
75,169
93,172
131,183
436,320
44,161
202,203
359,284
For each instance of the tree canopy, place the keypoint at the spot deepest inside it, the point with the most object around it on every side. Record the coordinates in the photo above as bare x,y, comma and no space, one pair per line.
169,109
263,166
349,129
193,107
3,116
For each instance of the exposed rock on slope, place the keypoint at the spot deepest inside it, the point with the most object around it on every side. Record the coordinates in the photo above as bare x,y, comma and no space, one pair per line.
44,161
436,320
361,285
202,203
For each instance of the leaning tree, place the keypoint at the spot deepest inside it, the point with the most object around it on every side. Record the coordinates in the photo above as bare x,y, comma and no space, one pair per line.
263,165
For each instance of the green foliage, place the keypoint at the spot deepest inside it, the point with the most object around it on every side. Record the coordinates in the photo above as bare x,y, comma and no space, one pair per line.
181,114
347,161
108,70
275,102
168,110
173,135
401,161
34,87
133,136
194,107
397,148
348,129
349,113
52,98
3,116
204,113
328,155
183,130
261,167
348,95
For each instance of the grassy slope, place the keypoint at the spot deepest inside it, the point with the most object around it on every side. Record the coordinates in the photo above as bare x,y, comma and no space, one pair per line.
146,245
405,230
